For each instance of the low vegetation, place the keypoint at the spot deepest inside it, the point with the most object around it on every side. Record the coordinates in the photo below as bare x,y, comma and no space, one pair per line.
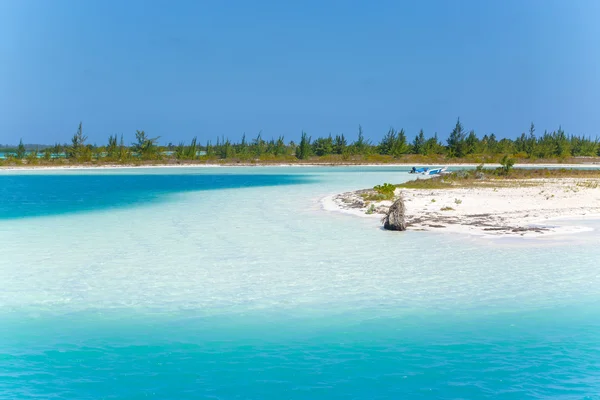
589,184
387,190
373,196
380,193
500,177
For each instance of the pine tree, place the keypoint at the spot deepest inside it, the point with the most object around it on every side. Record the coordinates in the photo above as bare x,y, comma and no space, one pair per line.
340,144
111,149
387,143
531,141
303,149
418,145
361,145
77,148
471,143
456,141
400,145
145,147
21,151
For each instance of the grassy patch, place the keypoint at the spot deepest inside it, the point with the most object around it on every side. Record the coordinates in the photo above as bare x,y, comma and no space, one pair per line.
432,183
588,184
387,190
446,209
498,178
373,196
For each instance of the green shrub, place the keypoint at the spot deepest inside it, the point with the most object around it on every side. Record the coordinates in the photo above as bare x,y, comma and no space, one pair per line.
31,158
507,163
374,197
387,190
521,155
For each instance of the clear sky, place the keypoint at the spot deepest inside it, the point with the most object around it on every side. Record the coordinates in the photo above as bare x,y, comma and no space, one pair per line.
184,68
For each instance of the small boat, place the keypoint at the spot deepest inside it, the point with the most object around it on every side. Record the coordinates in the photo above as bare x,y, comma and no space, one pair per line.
428,171
436,171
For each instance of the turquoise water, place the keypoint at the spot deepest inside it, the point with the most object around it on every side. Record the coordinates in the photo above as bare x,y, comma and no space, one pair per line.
42,195
234,284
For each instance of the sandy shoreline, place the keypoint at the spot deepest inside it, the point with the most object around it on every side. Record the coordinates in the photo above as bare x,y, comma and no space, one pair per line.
238,165
524,211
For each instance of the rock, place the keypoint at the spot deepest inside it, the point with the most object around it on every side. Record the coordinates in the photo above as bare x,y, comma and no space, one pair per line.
395,219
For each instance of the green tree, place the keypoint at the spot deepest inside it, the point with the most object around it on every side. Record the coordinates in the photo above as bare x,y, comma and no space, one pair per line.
456,141
323,146
124,153
340,144
361,145
521,143
21,151
79,150
303,149
97,151
57,150
400,145
242,149
48,154
180,151
492,144
507,163
562,145
471,143
582,146
112,148
433,145
183,152
224,148
258,145
145,147
531,141
393,143
387,143
192,149
279,148
418,144
505,146
32,157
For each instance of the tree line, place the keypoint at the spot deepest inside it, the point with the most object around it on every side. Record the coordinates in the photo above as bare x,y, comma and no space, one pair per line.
394,144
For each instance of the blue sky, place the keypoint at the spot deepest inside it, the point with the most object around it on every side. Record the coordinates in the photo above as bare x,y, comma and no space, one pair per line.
185,68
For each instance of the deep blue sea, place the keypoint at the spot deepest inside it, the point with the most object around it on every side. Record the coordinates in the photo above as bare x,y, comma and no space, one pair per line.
234,283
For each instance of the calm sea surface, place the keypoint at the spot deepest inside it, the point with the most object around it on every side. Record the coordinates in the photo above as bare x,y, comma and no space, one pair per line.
233,283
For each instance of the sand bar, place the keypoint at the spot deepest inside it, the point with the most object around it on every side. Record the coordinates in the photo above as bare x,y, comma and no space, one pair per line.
526,209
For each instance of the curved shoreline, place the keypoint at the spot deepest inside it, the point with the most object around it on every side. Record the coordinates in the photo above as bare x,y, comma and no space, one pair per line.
526,211
266,165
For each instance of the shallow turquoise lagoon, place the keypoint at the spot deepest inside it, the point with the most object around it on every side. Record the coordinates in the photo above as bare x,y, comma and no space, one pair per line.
233,283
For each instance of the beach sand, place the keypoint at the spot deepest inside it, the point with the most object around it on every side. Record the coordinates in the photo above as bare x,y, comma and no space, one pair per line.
528,208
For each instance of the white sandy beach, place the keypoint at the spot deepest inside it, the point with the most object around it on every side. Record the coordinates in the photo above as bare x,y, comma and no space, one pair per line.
526,211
